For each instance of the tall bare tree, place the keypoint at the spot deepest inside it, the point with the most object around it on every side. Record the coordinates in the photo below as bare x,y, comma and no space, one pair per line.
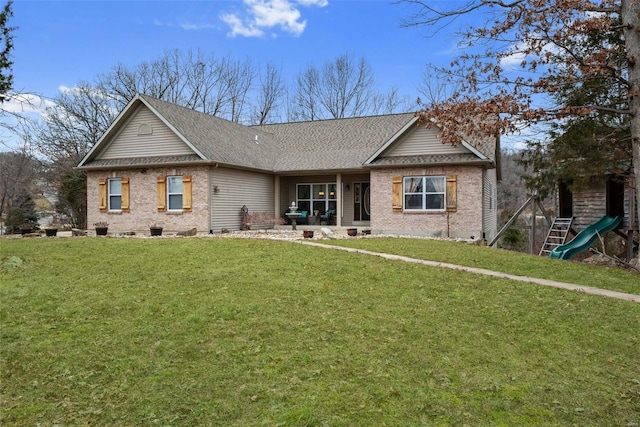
239,77
74,124
271,92
212,85
69,130
346,86
343,87
305,102
389,102
435,88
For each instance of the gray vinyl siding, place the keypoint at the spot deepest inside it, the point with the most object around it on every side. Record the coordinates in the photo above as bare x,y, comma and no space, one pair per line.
285,197
161,142
422,141
237,188
489,203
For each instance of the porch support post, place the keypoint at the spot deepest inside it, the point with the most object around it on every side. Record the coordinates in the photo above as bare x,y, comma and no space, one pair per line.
338,200
276,196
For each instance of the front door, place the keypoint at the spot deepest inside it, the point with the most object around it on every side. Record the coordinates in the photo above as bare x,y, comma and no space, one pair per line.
361,202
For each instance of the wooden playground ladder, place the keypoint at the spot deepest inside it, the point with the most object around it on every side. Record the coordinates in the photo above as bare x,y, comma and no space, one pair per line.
557,234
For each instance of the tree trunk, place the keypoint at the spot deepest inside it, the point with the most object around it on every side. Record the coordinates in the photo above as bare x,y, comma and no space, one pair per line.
630,13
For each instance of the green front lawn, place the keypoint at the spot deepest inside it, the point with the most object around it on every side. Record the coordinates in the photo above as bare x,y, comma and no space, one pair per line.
229,332
501,260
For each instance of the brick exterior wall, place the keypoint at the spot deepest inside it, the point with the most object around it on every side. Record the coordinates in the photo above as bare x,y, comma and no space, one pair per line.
466,222
142,201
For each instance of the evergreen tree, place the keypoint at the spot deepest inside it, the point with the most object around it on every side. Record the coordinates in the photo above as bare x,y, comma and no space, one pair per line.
6,45
22,212
72,197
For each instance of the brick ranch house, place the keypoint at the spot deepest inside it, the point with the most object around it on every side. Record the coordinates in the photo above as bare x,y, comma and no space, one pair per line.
159,163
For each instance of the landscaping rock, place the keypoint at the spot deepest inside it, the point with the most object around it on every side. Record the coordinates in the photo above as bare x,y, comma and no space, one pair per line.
599,259
188,233
327,232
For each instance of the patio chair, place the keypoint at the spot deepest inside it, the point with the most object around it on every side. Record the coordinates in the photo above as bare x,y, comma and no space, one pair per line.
328,216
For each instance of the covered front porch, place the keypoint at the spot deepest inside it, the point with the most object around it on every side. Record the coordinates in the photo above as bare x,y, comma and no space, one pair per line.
340,200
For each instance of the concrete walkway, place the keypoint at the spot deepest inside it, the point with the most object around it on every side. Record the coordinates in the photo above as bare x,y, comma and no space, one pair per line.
534,280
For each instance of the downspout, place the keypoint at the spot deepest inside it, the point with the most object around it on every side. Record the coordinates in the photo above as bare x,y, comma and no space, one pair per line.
448,226
211,204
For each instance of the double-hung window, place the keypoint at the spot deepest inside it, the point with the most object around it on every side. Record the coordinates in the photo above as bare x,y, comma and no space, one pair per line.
115,194
174,193
424,193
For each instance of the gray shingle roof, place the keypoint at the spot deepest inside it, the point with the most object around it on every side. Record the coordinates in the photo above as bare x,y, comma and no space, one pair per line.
333,144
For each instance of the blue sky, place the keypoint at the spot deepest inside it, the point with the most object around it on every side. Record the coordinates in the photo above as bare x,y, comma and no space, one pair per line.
59,43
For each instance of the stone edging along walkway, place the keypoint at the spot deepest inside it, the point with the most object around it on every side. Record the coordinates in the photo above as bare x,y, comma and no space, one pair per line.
534,280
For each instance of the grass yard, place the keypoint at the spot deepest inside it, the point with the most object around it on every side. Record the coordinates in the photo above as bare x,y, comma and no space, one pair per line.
611,278
229,332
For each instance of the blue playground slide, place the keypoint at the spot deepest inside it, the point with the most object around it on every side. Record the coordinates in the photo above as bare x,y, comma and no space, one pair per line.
586,238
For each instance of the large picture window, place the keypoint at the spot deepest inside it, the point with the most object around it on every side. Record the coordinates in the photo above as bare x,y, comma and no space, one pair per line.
424,193
174,193
316,198
115,194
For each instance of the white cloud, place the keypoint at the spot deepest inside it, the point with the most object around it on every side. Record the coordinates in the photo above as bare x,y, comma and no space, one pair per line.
514,60
189,26
320,3
268,14
238,28
277,12
17,111
26,103
159,23
196,27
